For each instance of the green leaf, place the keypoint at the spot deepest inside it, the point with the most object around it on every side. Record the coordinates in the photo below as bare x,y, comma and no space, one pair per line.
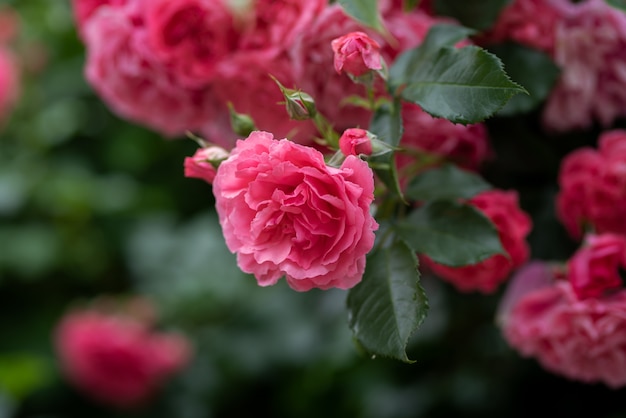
533,69
439,36
386,124
365,11
446,182
464,85
618,4
478,14
389,304
451,233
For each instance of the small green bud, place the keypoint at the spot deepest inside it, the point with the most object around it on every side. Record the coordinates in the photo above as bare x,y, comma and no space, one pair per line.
241,123
299,105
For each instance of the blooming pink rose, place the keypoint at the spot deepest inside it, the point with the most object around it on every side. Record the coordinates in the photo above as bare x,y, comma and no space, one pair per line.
190,36
356,54
136,85
594,268
355,141
584,340
513,225
117,359
284,212
465,145
592,184
202,164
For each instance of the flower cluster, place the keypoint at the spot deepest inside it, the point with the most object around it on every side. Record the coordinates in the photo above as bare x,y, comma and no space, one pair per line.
585,39
175,65
573,322
114,356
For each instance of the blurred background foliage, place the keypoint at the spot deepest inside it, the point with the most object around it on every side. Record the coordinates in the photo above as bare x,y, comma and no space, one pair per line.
92,205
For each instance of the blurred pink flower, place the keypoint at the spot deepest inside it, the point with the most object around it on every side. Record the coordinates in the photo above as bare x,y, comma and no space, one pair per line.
356,54
594,269
117,359
245,82
84,9
355,141
465,145
529,22
284,212
584,340
135,84
589,49
592,185
513,225
190,37
9,83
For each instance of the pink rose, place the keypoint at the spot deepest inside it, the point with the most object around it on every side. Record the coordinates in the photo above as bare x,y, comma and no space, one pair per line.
513,225
584,340
355,141
190,36
116,359
593,187
356,54
594,269
136,85
284,212
202,164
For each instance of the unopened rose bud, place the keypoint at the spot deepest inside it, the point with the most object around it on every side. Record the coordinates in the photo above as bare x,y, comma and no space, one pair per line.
203,164
241,123
300,105
355,141
356,54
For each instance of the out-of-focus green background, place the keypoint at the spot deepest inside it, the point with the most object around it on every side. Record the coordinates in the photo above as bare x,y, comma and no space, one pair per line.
93,205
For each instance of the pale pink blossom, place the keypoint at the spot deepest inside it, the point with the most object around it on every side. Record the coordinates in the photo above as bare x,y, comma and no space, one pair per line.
580,339
117,359
356,53
589,50
355,141
592,183
594,269
202,165
284,212
513,225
